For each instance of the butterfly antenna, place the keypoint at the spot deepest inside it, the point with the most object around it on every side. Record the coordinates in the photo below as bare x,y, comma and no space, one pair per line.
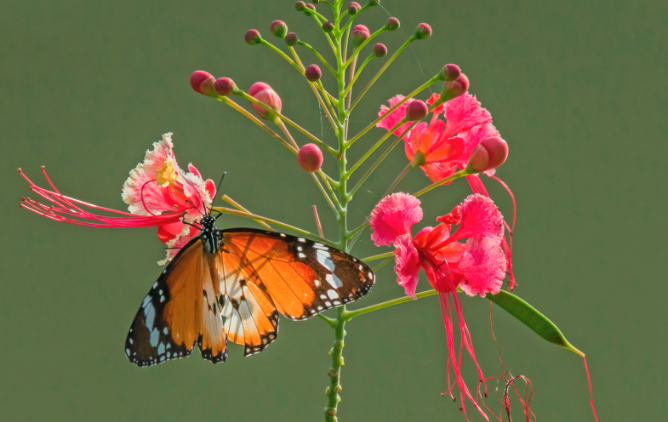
196,207
217,190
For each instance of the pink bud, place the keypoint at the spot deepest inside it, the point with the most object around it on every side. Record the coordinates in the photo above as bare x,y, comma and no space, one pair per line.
279,29
225,86
309,6
253,37
291,39
354,8
300,6
379,50
202,82
393,24
423,31
489,154
310,158
266,95
453,89
359,34
450,72
416,110
328,26
313,73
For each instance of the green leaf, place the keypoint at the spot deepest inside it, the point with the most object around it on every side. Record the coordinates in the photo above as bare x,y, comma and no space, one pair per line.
533,319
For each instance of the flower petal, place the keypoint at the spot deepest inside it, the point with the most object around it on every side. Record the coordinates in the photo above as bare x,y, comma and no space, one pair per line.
463,113
483,266
407,264
394,216
480,218
396,116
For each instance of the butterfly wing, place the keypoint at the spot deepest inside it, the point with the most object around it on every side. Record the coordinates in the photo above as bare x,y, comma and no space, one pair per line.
181,308
299,277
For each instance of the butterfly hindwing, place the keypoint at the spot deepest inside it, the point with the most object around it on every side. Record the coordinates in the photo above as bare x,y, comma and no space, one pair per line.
182,308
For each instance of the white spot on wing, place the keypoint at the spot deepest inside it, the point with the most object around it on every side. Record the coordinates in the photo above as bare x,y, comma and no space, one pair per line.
332,294
333,281
149,313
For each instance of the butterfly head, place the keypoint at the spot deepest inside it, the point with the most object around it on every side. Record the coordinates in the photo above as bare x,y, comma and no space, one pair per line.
211,236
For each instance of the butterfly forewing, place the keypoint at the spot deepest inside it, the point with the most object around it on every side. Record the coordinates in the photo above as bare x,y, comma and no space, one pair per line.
182,308
302,277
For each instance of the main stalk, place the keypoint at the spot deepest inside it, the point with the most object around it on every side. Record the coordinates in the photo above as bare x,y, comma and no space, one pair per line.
334,390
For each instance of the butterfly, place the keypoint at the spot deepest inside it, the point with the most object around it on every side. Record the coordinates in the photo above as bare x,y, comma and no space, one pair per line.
232,285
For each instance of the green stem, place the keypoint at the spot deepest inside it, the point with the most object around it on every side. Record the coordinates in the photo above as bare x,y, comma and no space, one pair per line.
376,257
394,184
285,119
396,106
281,53
352,314
334,373
382,69
357,74
361,46
322,59
303,232
448,179
255,120
323,106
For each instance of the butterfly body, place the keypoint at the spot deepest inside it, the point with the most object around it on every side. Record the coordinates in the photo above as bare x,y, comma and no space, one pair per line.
231,285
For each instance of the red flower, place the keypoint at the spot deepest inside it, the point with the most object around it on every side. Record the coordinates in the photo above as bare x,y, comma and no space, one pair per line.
477,265
158,194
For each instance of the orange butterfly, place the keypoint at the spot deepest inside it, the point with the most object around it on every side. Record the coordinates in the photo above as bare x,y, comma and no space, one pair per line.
232,284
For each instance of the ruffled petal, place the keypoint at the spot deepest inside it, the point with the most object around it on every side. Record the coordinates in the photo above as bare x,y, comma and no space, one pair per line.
439,171
483,267
480,218
407,264
179,242
396,116
394,216
463,113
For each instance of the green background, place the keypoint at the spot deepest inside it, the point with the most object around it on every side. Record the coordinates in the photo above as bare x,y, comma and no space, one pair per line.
577,88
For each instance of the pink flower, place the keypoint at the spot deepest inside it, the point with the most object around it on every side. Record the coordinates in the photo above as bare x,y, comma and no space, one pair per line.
396,116
158,193
394,216
440,147
477,265
159,185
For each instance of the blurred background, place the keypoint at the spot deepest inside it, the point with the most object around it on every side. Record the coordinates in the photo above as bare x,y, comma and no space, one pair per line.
577,88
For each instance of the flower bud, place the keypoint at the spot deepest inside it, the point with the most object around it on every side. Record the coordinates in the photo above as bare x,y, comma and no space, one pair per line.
328,26
354,8
416,110
488,155
266,95
202,82
309,7
453,89
291,39
374,2
313,73
300,6
450,72
423,31
279,29
379,50
359,34
310,158
252,37
393,24
225,87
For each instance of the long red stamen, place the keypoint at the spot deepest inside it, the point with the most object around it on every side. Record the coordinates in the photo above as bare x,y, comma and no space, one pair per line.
591,393
73,211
